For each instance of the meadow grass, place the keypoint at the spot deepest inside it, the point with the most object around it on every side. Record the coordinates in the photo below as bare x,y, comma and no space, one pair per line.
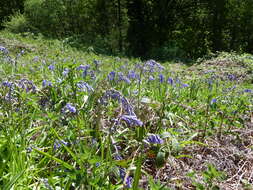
76,120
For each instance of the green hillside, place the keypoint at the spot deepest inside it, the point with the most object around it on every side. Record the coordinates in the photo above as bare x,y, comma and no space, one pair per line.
73,119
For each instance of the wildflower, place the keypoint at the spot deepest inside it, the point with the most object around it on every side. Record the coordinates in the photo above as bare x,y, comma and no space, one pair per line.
161,78
4,50
248,91
27,85
98,164
170,81
65,72
84,86
122,77
46,83
36,59
213,101
129,181
113,94
59,143
151,78
132,75
154,139
83,67
96,62
231,77
185,85
69,108
51,67
7,84
153,66
111,75
132,120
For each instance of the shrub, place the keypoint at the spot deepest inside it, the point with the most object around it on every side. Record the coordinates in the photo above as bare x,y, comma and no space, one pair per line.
17,23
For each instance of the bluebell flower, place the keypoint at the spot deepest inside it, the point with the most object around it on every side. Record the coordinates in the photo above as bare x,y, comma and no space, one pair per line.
46,83
69,108
113,94
184,85
151,78
122,77
152,66
161,78
7,84
248,91
122,172
170,81
65,72
92,75
213,101
83,86
231,77
51,67
4,50
129,181
111,75
154,139
83,67
36,59
98,164
132,120
27,85
96,62
59,143
133,75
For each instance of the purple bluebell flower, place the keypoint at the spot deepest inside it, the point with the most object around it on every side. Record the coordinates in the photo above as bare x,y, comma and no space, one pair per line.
111,75
122,77
69,108
213,101
151,78
231,77
65,72
46,83
184,85
36,59
152,66
161,78
51,67
83,86
27,85
170,81
248,91
118,157
4,50
133,75
122,173
154,139
98,164
96,62
59,143
7,84
113,94
132,120
129,181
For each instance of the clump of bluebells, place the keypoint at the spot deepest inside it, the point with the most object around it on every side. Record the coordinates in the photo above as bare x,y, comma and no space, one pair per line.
69,108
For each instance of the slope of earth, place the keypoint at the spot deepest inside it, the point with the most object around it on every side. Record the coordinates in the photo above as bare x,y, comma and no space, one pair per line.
76,120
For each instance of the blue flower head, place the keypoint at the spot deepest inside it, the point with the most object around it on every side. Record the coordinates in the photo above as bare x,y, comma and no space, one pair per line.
161,78
69,108
132,120
111,75
51,67
170,81
155,139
